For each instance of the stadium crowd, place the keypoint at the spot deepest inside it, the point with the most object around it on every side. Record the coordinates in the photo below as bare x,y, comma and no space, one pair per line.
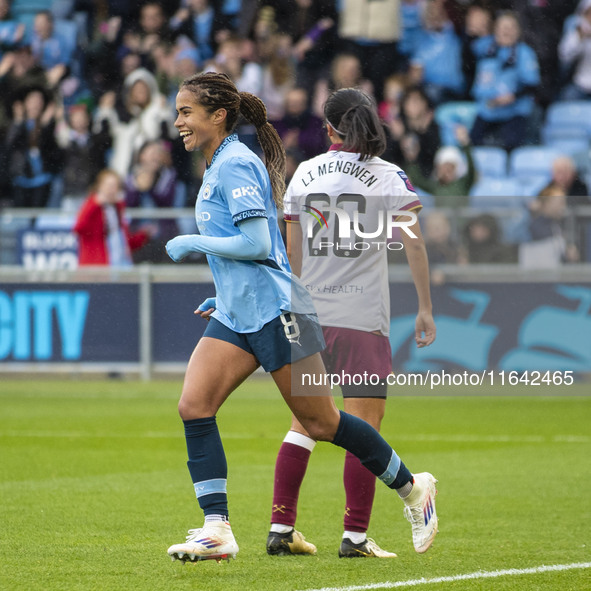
486,104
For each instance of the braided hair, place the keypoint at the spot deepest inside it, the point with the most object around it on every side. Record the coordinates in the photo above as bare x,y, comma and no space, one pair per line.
216,91
353,116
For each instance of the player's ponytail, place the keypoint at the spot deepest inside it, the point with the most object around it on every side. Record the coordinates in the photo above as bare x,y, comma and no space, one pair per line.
253,110
353,116
216,91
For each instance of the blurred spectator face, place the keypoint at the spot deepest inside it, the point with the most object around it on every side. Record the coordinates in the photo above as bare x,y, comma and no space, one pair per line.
34,104
507,31
393,89
109,187
346,71
434,16
479,232
4,9
563,172
437,228
296,101
139,94
198,6
230,50
478,22
79,119
43,26
153,156
415,105
151,18
446,172
587,15
129,63
304,3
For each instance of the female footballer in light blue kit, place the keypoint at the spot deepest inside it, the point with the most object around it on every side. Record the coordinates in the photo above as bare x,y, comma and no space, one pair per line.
260,315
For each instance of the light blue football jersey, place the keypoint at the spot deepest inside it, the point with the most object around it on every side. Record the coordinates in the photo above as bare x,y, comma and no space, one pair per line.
249,294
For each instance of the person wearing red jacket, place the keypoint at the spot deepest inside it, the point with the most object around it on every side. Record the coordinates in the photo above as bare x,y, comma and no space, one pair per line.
103,234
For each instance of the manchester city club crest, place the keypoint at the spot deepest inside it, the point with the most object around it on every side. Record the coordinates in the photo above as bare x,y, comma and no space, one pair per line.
207,191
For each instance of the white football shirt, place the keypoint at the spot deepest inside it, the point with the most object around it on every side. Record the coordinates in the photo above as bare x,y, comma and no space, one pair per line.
346,209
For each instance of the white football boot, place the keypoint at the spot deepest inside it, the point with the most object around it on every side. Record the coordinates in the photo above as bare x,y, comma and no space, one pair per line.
213,541
420,511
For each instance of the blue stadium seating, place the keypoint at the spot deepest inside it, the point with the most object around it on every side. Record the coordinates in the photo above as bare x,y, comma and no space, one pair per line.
569,116
490,161
532,161
493,193
449,115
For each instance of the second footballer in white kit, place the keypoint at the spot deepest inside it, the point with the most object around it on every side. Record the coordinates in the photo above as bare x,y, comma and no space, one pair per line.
341,208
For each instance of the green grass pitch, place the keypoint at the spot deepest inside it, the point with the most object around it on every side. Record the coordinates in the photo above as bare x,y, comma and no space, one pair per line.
94,488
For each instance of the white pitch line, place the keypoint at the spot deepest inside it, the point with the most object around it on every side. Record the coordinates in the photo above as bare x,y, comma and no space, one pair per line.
509,572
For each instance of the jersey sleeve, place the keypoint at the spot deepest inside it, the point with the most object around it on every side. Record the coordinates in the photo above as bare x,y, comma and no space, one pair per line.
291,206
401,194
244,188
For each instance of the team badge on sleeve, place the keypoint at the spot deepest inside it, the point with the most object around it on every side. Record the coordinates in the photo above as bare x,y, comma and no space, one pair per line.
406,180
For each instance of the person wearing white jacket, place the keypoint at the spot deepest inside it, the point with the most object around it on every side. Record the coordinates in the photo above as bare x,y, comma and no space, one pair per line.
143,116
575,52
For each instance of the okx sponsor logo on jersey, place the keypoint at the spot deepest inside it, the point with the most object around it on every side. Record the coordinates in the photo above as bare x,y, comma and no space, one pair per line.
345,225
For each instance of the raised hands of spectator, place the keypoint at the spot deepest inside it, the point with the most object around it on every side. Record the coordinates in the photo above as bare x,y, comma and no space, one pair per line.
502,100
7,62
396,127
410,147
107,101
181,15
49,114
19,34
462,135
111,29
18,111
54,75
144,178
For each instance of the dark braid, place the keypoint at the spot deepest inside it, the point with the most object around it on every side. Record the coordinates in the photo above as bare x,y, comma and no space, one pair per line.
216,91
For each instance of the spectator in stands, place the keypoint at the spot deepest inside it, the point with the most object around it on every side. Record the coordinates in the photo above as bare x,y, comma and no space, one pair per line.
419,132
371,31
477,25
549,244
411,11
50,49
575,54
11,31
199,21
32,153
311,25
507,77
436,62
152,184
442,249
230,59
345,73
141,115
483,243
278,75
299,128
390,109
564,175
103,233
454,177
150,29
84,152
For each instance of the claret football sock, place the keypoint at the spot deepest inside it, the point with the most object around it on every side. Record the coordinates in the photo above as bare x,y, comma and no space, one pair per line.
207,465
290,469
360,488
363,441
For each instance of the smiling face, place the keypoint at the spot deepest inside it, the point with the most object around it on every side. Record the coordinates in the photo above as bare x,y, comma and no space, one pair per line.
199,129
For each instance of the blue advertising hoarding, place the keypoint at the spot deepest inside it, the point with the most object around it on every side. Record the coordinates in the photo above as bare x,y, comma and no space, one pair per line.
510,326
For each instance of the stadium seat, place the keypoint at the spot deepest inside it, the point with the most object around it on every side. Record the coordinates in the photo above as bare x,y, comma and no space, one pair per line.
570,115
490,161
531,161
20,7
449,115
492,193
532,185
570,146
